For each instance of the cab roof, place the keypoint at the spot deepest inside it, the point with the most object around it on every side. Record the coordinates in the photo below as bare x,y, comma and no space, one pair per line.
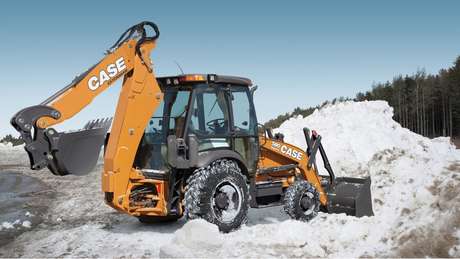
190,79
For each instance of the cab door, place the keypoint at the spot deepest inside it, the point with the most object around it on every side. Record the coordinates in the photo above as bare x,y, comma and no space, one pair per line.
244,126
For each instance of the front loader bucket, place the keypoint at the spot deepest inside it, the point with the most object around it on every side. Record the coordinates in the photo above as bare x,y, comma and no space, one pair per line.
351,196
77,152
344,194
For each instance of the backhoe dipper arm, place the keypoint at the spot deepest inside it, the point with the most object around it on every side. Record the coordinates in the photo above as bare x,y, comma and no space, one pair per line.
140,95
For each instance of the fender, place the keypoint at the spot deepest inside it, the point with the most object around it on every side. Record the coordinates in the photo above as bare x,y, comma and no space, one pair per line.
205,158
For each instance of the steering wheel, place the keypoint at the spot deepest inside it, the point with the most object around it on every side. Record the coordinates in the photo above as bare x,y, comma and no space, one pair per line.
216,123
152,128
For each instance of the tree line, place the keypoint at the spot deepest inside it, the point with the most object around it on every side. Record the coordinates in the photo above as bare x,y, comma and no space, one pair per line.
424,103
13,140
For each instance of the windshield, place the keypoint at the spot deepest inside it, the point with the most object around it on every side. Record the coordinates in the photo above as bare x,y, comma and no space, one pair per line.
168,119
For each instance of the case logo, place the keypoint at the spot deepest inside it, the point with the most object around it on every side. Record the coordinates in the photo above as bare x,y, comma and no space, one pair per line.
112,71
287,150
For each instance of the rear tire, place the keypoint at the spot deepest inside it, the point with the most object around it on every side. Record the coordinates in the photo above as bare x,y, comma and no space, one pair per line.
301,201
219,194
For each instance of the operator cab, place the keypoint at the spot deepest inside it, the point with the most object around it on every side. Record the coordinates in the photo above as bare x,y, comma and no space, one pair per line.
205,112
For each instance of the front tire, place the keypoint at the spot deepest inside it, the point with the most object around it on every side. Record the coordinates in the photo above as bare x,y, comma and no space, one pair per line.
301,201
219,194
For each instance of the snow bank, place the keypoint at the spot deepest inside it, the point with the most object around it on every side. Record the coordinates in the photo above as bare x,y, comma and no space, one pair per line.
195,234
8,146
414,183
353,132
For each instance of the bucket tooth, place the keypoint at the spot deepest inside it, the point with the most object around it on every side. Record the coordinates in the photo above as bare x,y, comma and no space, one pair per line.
98,123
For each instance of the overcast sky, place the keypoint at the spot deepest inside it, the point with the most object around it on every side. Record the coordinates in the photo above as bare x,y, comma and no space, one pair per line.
299,53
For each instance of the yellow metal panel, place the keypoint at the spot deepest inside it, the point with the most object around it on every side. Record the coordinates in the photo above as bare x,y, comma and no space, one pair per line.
276,153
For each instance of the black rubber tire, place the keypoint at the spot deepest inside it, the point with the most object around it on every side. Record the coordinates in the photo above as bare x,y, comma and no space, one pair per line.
292,200
157,219
201,188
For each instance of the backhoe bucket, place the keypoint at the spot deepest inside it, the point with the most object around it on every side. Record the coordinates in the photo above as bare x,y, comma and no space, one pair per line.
351,196
78,152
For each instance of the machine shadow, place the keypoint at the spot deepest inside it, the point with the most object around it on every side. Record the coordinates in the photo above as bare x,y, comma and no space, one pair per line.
131,226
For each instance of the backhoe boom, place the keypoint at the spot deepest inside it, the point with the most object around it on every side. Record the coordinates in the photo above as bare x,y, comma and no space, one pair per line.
140,95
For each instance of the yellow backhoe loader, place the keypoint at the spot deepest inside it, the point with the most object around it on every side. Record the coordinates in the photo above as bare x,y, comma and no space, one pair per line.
183,145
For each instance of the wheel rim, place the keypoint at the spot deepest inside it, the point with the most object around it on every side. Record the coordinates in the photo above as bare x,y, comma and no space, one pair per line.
226,201
307,203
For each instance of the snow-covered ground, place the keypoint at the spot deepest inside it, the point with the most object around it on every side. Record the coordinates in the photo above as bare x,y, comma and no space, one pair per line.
415,184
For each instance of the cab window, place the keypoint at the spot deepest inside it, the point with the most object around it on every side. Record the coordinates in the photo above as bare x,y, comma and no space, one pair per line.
168,119
209,119
244,122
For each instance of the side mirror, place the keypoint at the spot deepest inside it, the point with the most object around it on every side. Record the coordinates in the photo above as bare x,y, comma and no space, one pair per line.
262,132
253,89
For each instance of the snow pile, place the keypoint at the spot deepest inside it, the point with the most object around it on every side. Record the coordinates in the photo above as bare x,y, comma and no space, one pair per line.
16,224
414,188
195,234
5,225
353,132
8,146
12,154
